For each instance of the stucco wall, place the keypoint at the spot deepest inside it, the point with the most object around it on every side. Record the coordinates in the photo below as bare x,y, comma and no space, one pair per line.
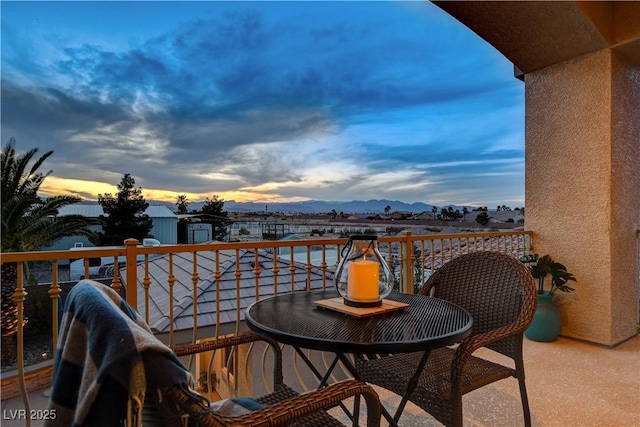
625,193
581,187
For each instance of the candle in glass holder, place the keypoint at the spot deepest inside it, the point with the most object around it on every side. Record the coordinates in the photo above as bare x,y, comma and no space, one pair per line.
362,281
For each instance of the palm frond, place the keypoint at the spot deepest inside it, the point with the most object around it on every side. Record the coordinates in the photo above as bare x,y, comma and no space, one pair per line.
28,221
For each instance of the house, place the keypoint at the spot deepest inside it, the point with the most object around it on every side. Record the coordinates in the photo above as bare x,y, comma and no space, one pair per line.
515,216
426,215
401,215
165,225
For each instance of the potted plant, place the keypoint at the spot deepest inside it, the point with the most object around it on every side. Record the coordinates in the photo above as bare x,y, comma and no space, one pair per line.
546,321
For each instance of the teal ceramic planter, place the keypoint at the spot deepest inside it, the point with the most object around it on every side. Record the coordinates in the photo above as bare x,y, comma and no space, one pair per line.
545,326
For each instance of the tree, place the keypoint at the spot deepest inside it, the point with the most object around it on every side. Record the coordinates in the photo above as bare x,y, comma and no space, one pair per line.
182,204
28,223
387,209
465,211
482,218
449,214
214,214
125,215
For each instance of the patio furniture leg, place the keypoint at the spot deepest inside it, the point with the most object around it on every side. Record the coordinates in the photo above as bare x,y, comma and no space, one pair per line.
324,379
352,369
413,383
525,402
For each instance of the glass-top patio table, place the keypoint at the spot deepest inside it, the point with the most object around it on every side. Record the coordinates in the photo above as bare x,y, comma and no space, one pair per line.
424,324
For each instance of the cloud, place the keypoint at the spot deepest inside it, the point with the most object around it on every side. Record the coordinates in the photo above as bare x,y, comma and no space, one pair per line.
294,99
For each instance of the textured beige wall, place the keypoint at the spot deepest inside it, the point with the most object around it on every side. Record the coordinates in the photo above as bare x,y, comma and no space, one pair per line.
625,194
579,142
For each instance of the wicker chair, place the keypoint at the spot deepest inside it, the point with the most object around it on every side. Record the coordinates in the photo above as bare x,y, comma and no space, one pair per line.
500,293
284,406
126,376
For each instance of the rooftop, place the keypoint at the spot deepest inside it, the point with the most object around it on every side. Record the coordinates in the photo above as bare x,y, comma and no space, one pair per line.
94,210
257,272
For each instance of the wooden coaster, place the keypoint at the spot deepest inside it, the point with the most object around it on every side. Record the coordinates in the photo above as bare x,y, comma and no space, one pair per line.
337,304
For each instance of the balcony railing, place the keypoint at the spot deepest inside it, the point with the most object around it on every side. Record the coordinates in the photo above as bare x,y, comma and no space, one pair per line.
198,291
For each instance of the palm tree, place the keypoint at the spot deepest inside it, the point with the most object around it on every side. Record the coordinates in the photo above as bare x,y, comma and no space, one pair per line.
28,223
182,203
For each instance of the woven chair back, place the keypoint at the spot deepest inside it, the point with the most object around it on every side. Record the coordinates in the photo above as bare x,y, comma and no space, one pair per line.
497,289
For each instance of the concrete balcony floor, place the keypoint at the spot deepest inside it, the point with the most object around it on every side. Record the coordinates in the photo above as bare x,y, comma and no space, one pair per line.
570,383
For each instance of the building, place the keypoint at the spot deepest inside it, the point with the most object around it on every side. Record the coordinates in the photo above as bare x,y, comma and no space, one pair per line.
165,225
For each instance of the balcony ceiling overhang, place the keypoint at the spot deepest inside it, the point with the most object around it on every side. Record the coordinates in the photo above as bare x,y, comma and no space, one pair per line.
534,35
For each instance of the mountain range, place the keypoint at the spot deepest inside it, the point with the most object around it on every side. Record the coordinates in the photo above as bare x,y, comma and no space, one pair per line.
316,206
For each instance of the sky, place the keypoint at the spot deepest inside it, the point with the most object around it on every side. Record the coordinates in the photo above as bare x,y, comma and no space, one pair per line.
263,101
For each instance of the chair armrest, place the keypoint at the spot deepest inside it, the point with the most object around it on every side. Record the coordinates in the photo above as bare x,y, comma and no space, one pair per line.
327,397
474,342
229,341
285,412
469,345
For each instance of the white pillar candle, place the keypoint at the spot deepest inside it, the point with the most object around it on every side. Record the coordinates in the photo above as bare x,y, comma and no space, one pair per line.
362,281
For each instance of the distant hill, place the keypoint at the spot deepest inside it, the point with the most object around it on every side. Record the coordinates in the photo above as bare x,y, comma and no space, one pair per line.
317,206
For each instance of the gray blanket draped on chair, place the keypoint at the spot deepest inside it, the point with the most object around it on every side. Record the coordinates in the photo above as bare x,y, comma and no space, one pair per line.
106,360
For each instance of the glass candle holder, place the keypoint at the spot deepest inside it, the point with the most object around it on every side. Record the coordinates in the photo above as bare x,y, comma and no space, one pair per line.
363,277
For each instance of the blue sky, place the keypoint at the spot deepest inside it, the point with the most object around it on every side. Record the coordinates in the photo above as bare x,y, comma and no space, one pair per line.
263,101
